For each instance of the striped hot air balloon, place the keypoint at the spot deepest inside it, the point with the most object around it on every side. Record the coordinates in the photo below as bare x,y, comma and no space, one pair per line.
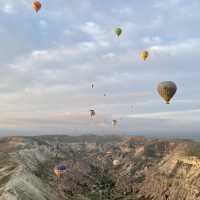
109,154
167,90
60,170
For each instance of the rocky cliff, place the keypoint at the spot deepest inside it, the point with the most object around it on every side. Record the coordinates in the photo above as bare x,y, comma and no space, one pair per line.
146,168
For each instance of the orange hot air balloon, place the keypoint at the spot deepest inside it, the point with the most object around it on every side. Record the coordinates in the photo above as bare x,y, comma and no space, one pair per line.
36,5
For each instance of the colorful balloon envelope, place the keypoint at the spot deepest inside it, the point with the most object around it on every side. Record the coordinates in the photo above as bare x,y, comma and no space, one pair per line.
167,89
36,5
118,31
60,170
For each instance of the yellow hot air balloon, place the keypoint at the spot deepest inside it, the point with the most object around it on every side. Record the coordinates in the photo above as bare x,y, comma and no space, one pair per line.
118,31
36,5
167,90
144,55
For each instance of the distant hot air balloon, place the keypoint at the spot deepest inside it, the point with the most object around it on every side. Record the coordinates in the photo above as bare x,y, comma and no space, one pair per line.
118,31
116,163
92,113
109,154
114,122
60,170
167,90
36,5
144,55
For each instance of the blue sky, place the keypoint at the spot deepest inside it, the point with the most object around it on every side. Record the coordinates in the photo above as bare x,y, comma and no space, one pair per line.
49,60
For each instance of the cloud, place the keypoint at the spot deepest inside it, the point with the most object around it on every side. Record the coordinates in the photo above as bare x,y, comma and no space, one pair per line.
8,8
178,48
152,40
96,32
183,115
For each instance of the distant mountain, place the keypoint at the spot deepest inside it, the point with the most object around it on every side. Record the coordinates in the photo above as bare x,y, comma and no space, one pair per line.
99,168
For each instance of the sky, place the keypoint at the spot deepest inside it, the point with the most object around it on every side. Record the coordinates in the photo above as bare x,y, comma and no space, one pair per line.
49,60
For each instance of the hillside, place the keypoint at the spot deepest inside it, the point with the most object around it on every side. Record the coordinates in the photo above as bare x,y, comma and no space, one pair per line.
147,168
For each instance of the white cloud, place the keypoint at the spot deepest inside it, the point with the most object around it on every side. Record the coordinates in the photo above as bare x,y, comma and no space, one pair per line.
92,29
124,11
87,46
152,40
182,115
109,56
43,23
97,33
178,48
8,8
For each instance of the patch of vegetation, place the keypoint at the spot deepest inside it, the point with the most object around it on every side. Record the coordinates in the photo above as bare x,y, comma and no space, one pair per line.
4,180
194,149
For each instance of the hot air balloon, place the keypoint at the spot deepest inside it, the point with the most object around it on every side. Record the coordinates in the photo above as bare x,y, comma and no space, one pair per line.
60,170
36,5
116,163
114,122
144,55
167,90
109,154
92,113
118,31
